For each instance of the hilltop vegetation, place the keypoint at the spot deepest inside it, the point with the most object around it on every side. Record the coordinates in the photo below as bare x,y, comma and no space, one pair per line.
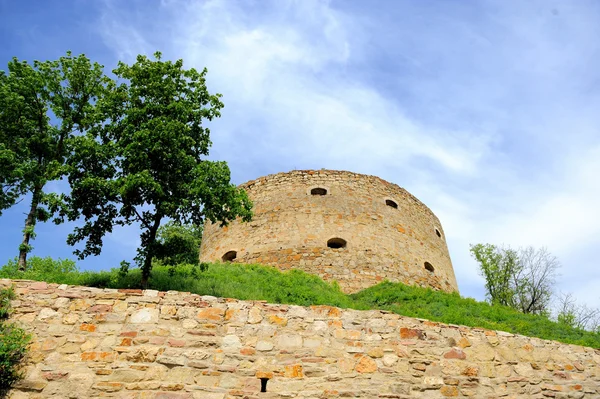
256,282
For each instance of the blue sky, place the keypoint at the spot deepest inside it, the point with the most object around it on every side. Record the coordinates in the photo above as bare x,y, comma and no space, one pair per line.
487,111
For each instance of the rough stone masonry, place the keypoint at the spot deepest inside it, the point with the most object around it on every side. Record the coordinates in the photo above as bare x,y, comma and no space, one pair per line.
108,343
355,229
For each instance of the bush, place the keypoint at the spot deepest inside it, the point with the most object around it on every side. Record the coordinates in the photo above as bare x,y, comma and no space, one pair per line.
46,269
178,243
13,344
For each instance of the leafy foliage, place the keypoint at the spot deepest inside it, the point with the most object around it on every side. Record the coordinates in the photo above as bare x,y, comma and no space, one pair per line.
522,279
144,160
32,147
255,282
13,344
178,243
40,269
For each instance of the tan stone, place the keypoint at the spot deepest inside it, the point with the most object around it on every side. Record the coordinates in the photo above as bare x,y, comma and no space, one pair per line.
320,352
381,223
366,365
254,316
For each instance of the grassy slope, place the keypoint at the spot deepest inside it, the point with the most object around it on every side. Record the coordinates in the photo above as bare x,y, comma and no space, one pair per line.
256,282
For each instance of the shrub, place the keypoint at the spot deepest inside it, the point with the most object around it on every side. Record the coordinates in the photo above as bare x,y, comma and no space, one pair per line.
13,344
46,269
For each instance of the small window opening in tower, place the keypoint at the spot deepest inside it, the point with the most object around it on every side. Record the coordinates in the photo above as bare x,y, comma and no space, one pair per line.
437,232
391,203
336,243
429,267
318,191
229,256
263,384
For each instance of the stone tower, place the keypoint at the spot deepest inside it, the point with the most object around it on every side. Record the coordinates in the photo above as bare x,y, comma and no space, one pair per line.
356,229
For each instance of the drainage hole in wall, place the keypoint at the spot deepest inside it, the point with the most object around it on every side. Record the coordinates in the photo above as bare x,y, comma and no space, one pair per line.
336,243
318,191
263,384
229,256
429,267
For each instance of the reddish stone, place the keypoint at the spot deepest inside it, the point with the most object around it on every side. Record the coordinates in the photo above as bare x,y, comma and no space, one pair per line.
125,342
55,375
131,334
87,327
211,314
408,333
100,309
247,351
176,343
366,365
455,354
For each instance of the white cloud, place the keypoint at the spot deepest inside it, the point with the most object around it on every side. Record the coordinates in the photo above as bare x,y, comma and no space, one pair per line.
487,115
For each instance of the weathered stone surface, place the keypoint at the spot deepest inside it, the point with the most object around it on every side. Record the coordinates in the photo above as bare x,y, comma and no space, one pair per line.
304,353
389,233
145,315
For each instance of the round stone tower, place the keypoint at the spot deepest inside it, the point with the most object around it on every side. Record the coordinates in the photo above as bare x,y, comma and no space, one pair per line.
356,229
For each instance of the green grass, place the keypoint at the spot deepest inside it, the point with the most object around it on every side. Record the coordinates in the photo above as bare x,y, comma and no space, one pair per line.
255,282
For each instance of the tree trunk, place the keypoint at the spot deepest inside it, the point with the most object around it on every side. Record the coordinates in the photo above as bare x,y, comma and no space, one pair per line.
147,267
28,231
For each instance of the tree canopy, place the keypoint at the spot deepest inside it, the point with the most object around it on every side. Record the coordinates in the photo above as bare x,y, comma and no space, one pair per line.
42,108
522,279
144,159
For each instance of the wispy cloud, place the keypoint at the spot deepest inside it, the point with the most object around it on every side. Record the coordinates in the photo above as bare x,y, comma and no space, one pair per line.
487,114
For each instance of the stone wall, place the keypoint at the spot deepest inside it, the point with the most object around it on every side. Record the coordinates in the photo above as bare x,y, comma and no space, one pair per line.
92,343
291,229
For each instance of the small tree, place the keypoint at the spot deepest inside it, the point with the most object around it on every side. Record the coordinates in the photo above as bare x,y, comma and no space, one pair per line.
498,266
42,107
144,160
535,284
177,243
571,313
522,279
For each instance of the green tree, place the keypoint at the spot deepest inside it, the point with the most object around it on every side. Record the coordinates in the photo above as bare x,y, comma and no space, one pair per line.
177,243
498,266
42,108
146,160
522,279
